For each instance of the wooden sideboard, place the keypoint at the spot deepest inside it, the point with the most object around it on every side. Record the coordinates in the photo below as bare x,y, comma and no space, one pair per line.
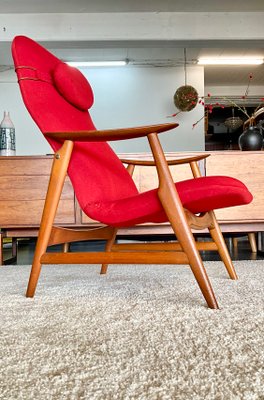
24,181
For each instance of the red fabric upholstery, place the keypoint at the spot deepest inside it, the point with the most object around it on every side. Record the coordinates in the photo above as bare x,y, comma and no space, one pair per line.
57,96
95,170
73,86
197,195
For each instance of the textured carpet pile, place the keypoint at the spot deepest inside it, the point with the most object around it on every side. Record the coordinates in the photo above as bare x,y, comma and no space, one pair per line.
140,332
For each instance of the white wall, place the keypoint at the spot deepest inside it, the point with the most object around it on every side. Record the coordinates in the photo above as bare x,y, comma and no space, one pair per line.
124,97
141,96
29,140
235,90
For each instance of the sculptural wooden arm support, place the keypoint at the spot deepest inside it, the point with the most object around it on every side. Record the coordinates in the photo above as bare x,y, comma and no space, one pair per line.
177,161
111,134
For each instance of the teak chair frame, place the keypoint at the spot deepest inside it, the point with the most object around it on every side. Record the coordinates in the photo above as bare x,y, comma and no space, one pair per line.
185,250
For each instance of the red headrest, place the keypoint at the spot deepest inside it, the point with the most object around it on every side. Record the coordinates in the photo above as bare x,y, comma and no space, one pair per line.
73,86
69,82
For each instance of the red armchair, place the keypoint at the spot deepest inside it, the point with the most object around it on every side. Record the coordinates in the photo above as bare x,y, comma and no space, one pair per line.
58,97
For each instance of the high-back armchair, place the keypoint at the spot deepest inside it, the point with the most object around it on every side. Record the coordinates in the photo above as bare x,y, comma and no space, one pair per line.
58,98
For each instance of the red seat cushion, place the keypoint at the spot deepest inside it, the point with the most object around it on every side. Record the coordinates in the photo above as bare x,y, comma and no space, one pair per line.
197,195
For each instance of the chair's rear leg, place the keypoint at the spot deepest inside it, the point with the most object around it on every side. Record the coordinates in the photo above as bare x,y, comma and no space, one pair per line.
58,174
218,238
216,233
111,241
108,247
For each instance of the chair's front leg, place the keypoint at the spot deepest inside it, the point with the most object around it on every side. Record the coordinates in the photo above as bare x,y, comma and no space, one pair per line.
172,206
57,178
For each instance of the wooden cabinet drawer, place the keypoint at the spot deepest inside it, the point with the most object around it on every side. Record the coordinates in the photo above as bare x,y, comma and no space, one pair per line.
28,213
28,165
23,183
249,168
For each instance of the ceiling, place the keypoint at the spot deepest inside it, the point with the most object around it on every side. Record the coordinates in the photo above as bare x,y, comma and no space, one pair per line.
151,53
91,6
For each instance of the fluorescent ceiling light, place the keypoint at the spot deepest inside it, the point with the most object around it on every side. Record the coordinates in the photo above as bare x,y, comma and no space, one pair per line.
231,61
98,63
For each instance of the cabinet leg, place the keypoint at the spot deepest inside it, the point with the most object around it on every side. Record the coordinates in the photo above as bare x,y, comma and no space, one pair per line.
12,259
14,248
252,241
1,248
66,247
235,242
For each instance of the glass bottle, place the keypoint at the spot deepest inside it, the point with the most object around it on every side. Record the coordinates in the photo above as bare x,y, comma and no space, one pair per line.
7,136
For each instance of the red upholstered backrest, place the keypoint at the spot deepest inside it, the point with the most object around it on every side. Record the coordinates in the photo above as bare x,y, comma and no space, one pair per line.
57,97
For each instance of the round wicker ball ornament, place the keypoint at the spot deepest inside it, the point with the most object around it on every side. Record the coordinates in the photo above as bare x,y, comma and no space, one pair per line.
186,98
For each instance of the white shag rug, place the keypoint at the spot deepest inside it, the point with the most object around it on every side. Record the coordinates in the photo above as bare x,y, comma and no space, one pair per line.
140,332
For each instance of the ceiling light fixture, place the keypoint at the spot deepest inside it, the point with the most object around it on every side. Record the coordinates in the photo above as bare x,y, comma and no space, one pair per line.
77,64
231,61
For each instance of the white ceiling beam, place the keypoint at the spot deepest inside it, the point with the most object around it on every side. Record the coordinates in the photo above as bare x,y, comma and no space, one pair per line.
134,26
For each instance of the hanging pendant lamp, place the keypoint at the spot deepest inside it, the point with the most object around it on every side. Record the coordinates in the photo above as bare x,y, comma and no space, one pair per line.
233,122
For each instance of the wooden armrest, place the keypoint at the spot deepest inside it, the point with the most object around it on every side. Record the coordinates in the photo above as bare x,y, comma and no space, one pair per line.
111,134
177,161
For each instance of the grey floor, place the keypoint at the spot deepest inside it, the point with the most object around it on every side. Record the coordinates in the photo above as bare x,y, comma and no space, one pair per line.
26,250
